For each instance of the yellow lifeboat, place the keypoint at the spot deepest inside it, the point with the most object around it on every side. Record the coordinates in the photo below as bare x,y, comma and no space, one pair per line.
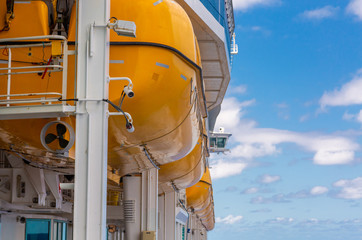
185,172
200,199
161,61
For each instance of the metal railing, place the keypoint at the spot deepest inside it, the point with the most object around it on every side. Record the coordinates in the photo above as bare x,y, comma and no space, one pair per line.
40,97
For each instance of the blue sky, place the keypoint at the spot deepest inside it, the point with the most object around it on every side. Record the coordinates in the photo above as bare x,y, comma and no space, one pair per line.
294,107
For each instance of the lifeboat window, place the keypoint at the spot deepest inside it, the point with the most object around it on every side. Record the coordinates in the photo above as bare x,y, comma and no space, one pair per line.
37,229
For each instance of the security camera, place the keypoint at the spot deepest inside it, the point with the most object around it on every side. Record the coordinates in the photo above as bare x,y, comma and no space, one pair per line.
128,91
130,127
123,28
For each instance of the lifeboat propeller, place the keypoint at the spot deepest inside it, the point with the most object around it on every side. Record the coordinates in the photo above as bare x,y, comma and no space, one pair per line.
48,137
61,130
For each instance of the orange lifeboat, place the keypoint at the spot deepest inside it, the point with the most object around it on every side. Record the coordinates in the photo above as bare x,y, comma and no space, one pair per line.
200,200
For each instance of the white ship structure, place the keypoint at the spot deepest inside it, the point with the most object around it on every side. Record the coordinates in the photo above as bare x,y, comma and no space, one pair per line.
107,111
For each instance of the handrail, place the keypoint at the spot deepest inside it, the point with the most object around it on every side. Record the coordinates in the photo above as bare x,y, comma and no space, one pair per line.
27,45
32,94
21,101
54,37
16,73
31,67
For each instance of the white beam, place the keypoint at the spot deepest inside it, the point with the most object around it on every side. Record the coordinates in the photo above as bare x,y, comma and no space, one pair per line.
52,180
36,176
91,122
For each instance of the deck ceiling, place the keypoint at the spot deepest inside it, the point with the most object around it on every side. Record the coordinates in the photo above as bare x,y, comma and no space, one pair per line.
213,49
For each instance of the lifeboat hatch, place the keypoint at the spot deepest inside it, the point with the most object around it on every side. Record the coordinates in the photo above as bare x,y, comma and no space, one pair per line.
57,136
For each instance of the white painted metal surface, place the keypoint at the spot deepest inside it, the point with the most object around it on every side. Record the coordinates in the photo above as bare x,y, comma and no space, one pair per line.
52,180
91,124
132,186
36,111
169,215
36,176
141,203
9,77
150,200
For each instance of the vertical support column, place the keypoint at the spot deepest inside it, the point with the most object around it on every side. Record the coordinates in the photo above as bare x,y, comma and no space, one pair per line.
170,215
90,200
161,218
132,186
150,200
195,228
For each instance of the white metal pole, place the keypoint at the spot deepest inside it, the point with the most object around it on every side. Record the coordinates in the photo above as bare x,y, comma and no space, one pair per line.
150,200
91,124
170,216
65,70
9,76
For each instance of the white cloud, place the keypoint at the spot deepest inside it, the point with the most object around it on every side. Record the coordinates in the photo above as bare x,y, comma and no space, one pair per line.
251,141
222,169
232,112
269,178
330,157
263,210
229,219
355,117
355,7
329,149
318,190
282,220
348,116
351,189
256,28
359,116
247,4
348,94
251,150
241,89
282,105
298,195
320,13
251,190
278,198
304,118
231,189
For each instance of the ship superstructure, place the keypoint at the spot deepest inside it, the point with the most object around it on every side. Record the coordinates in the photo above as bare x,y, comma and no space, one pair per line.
105,114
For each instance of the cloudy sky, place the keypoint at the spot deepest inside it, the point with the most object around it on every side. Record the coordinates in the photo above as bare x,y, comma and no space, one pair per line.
294,107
